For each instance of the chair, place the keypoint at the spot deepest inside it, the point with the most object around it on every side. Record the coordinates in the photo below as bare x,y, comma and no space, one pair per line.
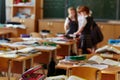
5,66
88,73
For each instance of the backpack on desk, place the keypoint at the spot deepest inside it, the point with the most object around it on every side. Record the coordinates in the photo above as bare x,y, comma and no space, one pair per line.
31,74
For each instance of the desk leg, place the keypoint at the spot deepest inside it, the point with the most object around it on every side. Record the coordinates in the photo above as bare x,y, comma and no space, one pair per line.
55,55
69,50
74,48
24,66
117,76
50,56
9,69
68,72
32,61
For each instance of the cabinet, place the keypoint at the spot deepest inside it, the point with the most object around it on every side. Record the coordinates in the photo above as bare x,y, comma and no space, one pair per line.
29,23
108,31
27,13
117,31
55,26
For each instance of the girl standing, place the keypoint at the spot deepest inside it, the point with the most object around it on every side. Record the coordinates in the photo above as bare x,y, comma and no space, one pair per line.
84,23
71,23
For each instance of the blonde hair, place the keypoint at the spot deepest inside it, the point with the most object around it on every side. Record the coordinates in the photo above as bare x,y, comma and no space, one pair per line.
73,9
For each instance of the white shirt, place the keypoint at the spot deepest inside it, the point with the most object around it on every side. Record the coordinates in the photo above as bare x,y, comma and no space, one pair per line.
66,21
81,21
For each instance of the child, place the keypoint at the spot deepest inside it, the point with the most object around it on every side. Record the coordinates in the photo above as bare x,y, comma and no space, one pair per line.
71,23
71,26
84,23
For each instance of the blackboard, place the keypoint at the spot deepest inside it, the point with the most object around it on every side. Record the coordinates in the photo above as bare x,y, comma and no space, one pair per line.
102,9
54,8
2,11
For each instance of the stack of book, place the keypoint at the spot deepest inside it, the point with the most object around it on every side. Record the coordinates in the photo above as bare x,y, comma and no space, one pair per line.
72,60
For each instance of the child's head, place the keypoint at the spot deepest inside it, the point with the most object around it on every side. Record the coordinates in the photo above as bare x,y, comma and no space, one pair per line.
72,12
83,10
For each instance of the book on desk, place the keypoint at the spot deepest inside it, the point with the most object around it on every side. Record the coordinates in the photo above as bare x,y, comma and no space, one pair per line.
96,59
108,48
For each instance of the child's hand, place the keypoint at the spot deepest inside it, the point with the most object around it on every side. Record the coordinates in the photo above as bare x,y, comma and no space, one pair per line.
76,33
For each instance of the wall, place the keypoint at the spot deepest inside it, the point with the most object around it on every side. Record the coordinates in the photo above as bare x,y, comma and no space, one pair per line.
8,9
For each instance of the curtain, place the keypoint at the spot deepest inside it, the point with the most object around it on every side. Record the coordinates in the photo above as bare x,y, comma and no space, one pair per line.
2,11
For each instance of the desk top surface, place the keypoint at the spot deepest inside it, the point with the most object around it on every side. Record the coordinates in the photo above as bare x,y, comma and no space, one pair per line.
3,32
22,58
109,70
67,42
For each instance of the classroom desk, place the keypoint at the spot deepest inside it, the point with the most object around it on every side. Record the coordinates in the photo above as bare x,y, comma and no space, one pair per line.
14,32
110,73
66,45
10,66
5,34
64,49
48,52
47,55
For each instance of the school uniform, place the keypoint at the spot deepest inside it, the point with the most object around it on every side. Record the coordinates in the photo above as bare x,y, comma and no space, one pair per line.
85,37
73,26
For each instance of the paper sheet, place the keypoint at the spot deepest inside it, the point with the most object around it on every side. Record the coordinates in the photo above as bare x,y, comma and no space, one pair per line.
46,47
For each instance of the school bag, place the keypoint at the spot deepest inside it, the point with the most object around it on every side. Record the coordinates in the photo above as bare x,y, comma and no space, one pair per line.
32,74
96,34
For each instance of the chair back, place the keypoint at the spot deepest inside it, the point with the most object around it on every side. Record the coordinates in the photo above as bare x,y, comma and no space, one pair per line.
88,73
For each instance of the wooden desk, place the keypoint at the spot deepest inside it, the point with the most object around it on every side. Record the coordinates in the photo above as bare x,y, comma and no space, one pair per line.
13,63
14,32
66,47
47,55
5,34
110,73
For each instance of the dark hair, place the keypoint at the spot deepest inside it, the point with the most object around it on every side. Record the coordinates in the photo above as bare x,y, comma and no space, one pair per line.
83,9
72,8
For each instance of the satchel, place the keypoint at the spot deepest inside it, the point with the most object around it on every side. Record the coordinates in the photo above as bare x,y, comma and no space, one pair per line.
96,34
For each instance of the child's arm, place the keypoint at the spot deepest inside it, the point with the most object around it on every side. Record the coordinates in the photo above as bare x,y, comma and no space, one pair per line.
81,24
66,25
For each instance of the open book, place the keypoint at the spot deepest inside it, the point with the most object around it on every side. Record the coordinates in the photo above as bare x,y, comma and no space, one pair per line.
27,51
62,77
108,48
99,60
